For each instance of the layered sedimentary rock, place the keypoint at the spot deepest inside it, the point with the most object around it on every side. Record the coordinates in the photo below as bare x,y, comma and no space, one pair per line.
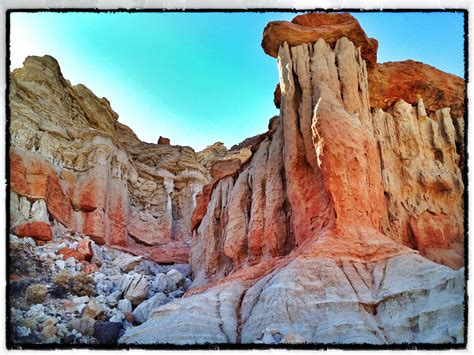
309,28
332,227
422,180
307,241
92,173
389,82
411,80
404,299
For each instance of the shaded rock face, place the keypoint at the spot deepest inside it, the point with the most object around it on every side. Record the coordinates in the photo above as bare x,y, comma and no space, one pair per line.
317,238
93,174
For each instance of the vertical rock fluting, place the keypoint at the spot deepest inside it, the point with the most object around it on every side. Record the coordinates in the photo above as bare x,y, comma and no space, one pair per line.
245,220
342,167
94,175
318,171
338,278
422,180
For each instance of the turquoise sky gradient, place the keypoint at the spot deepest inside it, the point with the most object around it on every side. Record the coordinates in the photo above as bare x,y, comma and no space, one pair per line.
199,78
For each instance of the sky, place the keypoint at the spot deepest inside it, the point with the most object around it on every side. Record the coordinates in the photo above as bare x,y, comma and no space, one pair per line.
199,78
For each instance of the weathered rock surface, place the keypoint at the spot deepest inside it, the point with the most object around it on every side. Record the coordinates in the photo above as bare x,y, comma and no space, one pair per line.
297,245
317,231
389,82
309,28
93,173
410,80
422,180
403,299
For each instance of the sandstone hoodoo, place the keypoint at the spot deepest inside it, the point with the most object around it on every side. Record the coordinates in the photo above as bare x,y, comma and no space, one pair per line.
343,223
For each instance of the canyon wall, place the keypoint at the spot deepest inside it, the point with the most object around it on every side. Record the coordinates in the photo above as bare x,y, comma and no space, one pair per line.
87,171
343,223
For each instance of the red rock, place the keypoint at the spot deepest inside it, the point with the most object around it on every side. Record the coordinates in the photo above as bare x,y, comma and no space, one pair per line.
36,178
202,202
410,80
88,268
149,232
58,204
129,317
166,254
226,167
92,171
36,230
18,181
164,141
309,28
71,253
93,225
84,247
439,237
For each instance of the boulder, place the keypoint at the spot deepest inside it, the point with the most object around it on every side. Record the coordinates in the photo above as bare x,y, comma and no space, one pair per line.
84,247
125,305
164,141
71,253
93,309
127,262
36,229
107,332
144,309
135,288
175,278
160,283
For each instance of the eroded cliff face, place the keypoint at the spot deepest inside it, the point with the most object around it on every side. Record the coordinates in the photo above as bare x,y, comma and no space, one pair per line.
71,156
330,163
317,238
332,227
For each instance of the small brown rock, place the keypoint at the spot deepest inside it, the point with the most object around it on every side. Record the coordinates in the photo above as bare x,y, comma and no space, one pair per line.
164,141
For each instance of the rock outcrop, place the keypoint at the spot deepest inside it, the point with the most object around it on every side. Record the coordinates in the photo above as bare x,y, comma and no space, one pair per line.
317,238
309,28
409,81
389,82
343,223
93,175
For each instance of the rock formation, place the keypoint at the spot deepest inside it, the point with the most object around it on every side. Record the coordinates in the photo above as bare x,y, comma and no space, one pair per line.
73,162
316,238
388,82
309,28
343,223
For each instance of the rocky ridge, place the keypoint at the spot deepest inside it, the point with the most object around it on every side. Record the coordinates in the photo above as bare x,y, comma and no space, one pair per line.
332,227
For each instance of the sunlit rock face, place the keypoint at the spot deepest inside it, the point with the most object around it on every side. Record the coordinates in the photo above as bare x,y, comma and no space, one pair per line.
92,172
343,223
325,234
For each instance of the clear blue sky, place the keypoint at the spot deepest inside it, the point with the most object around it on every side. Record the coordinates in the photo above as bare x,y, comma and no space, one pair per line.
199,78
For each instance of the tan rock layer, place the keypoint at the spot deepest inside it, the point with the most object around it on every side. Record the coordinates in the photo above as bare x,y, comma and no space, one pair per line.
93,173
